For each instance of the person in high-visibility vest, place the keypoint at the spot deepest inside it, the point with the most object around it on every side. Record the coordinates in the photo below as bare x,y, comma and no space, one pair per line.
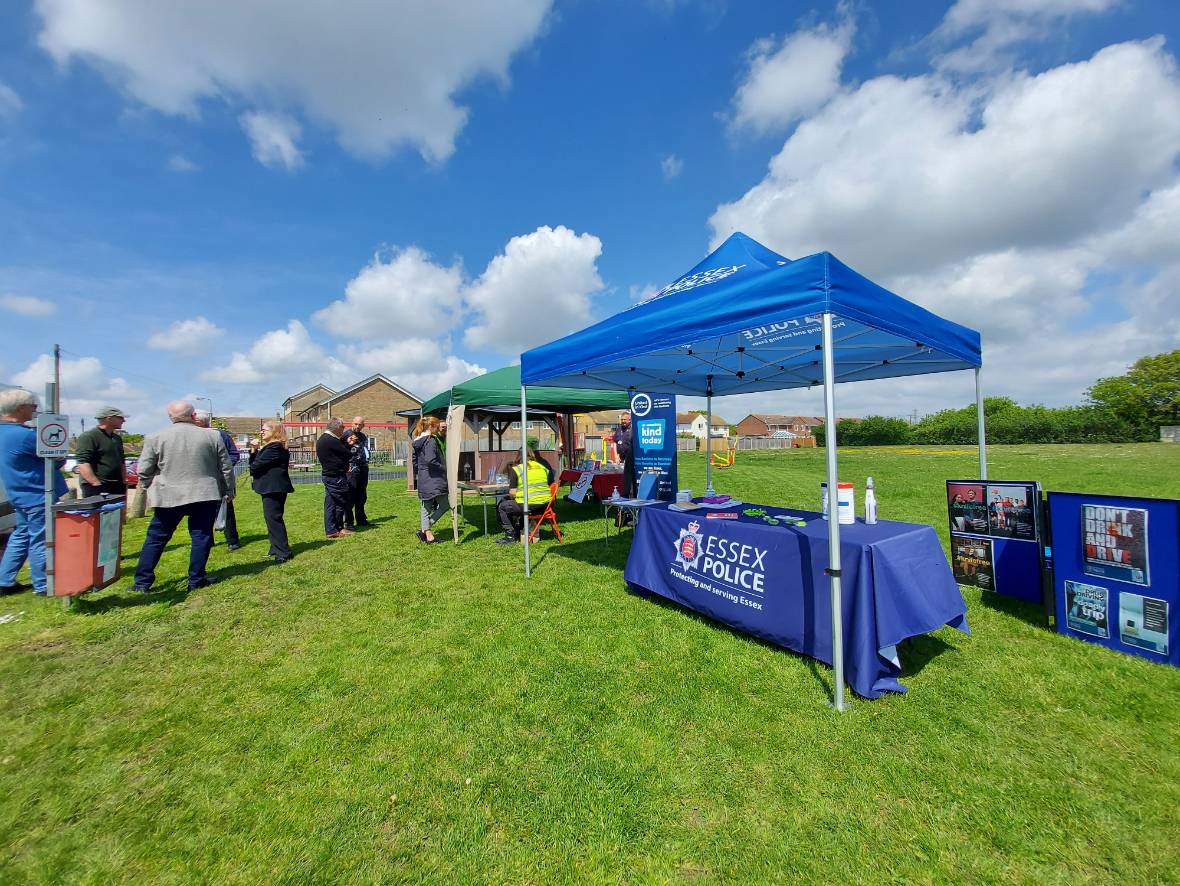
511,507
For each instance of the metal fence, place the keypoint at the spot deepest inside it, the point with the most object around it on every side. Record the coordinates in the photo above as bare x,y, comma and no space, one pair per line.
765,443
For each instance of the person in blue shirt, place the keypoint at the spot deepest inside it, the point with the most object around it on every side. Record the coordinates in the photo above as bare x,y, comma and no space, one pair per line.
204,419
22,472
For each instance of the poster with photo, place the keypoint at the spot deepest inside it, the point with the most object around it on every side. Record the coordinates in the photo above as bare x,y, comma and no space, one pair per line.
1114,543
972,562
1143,622
1011,511
1087,609
967,507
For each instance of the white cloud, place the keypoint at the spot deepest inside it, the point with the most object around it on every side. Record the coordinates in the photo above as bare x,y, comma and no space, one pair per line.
181,163
1040,209
1002,24
538,289
908,174
10,102
379,74
671,166
786,81
273,139
190,337
85,387
26,305
405,296
639,294
417,364
288,355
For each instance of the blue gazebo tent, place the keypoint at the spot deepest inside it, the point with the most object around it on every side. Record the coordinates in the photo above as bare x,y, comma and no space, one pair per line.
746,319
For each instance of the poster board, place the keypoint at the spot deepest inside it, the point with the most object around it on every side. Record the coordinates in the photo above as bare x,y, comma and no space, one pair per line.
653,442
1116,572
996,536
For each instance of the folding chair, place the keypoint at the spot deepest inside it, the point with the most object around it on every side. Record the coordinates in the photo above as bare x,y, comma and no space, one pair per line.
547,514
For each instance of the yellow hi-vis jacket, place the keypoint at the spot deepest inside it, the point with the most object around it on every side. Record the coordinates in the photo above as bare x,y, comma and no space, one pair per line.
538,484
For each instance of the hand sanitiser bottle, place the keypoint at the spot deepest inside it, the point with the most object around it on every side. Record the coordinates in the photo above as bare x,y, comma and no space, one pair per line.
870,503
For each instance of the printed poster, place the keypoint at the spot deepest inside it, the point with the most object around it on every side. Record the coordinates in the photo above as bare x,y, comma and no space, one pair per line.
109,526
1011,512
967,507
1143,622
972,562
581,486
1114,543
1087,609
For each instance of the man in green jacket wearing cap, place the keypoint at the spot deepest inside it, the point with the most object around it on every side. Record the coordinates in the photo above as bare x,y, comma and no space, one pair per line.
100,455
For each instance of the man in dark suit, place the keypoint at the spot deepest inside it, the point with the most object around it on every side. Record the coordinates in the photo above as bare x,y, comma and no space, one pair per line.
334,457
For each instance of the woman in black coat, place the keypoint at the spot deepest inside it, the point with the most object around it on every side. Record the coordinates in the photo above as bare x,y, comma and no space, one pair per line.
430,465
269,463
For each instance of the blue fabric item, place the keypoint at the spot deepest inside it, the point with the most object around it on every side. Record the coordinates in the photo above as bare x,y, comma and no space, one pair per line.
769,581
747,319
27,542
22,471
234,455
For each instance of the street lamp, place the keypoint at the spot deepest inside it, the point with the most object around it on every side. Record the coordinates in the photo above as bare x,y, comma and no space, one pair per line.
207,400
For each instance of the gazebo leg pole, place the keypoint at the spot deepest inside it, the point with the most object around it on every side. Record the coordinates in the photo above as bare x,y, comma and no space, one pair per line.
833,517
524,479
979,418
709,491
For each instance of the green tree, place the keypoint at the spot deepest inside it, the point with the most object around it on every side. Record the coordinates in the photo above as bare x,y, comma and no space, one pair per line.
1145,397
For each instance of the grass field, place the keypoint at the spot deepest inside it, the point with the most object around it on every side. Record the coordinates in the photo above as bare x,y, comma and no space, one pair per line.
382,710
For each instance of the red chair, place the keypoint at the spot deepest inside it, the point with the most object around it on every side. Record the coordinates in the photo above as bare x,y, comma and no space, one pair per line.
546,515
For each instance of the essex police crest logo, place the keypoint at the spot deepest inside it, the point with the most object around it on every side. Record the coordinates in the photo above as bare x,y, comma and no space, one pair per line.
688,546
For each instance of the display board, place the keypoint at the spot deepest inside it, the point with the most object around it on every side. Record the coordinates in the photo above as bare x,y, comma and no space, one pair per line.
1116,572
996,536
653,428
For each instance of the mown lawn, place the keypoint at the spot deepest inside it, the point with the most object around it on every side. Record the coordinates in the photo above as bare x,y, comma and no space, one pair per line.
381,710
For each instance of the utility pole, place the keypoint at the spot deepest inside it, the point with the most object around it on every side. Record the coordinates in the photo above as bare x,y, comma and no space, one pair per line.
57,378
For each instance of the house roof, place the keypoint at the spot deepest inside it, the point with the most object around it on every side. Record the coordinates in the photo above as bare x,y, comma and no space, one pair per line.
771,418
603,416
242,424
360,384
307,391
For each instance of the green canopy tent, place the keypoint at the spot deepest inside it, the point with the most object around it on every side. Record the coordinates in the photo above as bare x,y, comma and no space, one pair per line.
492,401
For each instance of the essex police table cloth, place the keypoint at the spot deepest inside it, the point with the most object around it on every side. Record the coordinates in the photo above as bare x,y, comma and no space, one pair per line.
769,581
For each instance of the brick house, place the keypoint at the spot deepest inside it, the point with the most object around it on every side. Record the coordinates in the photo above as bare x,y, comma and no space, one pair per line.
376,398
764,424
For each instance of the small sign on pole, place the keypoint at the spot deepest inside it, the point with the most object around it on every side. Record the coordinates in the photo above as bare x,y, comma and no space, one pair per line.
53,435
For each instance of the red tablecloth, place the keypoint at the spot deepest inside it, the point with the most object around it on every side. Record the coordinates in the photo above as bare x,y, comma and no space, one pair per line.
603,484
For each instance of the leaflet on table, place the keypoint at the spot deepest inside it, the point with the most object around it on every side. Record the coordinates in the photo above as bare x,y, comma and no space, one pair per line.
721,505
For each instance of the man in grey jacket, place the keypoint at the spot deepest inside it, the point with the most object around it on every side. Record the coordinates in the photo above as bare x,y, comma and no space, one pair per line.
187,473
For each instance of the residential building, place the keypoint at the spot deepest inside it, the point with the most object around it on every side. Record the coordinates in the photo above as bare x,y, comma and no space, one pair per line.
698,424
764,424
376,398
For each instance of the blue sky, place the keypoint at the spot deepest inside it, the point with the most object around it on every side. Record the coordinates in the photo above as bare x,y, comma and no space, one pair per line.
236,201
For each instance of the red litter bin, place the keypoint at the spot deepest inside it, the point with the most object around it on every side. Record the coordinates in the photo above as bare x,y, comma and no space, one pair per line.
88,544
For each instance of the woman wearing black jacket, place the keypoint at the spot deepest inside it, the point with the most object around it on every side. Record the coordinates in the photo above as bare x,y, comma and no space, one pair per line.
430,465
269,461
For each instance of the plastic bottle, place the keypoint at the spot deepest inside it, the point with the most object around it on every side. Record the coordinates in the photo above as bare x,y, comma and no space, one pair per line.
870,503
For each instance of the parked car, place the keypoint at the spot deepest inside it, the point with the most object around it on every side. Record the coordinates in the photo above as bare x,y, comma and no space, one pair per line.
132,467
7,515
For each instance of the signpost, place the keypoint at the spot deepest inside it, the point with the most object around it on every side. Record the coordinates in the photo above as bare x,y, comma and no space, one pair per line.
53,442
53,435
